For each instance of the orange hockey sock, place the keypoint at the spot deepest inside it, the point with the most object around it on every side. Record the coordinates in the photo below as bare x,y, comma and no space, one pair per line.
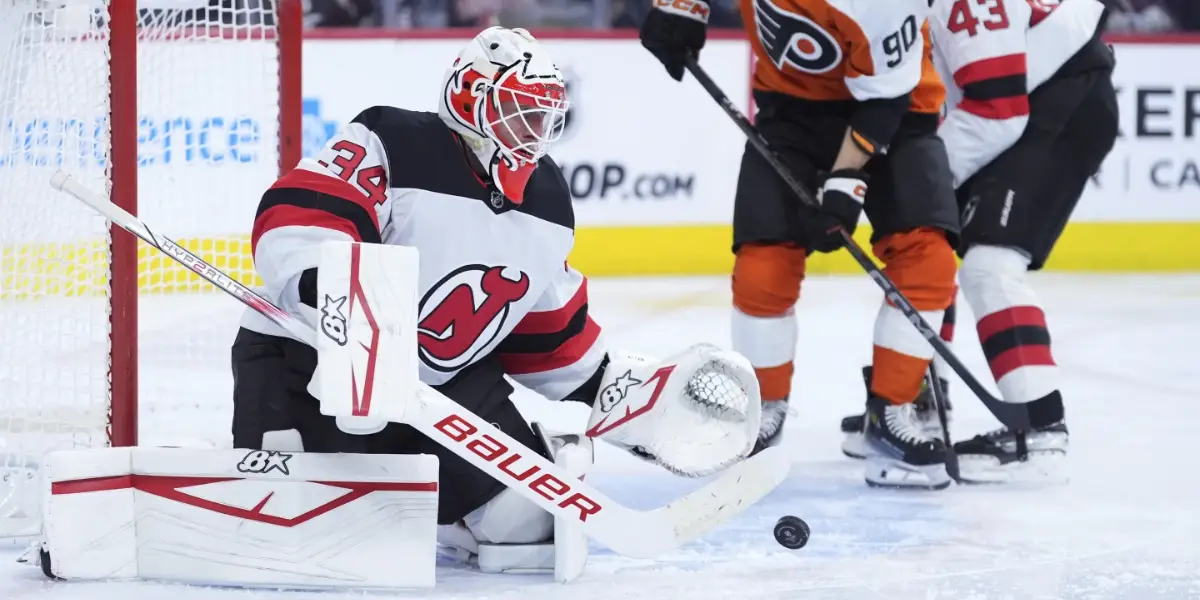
766,285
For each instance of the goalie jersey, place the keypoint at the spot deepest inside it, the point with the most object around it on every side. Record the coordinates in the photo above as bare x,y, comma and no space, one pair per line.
494,280
992,54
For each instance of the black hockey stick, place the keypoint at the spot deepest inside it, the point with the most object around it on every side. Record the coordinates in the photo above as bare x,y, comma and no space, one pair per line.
1013,416
939,402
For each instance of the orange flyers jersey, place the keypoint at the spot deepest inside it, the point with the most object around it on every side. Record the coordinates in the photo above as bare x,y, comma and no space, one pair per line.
844,50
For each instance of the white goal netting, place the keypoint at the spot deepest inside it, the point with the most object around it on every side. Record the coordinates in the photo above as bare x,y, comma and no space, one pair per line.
207,145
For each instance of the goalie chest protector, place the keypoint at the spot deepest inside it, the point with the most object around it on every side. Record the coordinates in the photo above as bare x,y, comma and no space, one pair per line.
485,261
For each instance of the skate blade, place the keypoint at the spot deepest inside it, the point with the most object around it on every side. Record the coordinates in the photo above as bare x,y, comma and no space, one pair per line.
854,445
892,474
1042,467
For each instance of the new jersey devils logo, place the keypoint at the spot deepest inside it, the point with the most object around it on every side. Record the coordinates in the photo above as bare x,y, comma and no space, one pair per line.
463,314
794,40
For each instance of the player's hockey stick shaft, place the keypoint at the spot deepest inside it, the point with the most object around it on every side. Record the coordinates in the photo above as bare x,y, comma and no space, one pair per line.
939,402
1014,416
639,534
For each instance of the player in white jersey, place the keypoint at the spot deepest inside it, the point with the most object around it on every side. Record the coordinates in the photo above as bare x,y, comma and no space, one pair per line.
471,187
1032,114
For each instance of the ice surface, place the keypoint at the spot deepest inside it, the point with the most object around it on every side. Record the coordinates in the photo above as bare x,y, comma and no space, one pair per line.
1126,526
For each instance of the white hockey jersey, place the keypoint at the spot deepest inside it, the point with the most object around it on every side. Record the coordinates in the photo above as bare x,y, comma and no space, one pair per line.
494,277
991,54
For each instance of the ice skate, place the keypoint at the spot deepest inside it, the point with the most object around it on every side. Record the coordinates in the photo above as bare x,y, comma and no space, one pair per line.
899,451
853,445
770,433
1004,455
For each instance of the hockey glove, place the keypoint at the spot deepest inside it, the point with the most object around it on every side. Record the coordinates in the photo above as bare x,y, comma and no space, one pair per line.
841,197
673,29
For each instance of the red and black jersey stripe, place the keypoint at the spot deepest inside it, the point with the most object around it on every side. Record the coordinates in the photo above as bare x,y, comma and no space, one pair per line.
307,198
1015,337
548,340
994,88
948,321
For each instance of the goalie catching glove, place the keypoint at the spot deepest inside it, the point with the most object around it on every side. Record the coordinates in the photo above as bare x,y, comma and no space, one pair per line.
693,414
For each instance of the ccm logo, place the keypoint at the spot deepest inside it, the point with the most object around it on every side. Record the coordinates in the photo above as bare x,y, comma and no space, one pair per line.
491,450
687,8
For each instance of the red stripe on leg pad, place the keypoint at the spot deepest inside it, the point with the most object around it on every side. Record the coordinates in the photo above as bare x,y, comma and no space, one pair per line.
1016,316
947,332
1021,356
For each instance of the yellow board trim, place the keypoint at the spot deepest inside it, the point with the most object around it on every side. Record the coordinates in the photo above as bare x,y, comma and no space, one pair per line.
705,250
80,269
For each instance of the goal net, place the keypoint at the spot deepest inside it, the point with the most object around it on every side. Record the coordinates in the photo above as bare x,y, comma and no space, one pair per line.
184,111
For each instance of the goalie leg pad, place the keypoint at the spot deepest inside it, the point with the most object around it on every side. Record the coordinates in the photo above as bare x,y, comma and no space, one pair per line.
241,518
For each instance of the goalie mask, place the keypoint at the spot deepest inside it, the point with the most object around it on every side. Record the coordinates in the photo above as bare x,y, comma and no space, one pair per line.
506,98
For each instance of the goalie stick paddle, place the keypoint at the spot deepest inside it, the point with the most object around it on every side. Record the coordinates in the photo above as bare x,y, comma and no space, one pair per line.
633,533
1013,416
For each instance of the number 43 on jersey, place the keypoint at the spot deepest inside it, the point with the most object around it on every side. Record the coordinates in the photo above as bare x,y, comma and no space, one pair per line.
970,16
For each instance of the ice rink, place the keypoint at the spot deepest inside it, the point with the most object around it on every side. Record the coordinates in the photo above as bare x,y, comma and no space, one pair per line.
1126,527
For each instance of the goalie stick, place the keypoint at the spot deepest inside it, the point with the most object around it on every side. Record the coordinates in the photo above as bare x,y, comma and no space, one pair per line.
633,533
1013,416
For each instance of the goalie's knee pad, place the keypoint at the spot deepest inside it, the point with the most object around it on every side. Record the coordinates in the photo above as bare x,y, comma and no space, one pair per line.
509,518
288,440
694,413
511,534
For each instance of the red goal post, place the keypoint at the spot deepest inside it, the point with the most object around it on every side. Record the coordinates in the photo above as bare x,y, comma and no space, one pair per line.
287,34
172,106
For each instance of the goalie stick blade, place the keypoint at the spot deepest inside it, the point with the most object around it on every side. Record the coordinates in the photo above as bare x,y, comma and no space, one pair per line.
633,533
733,491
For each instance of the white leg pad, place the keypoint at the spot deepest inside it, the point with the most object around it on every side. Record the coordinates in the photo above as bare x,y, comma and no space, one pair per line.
241,518
509,534
570,542
288,440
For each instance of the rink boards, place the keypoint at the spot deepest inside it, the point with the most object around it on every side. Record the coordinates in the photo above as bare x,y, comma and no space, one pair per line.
652,163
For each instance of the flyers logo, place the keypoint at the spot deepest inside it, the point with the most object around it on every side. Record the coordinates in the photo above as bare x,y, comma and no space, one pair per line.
464,313
793,40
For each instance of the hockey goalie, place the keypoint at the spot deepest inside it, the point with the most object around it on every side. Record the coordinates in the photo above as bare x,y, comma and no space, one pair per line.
462,219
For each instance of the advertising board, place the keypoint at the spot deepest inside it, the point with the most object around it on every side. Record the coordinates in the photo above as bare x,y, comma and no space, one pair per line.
653,163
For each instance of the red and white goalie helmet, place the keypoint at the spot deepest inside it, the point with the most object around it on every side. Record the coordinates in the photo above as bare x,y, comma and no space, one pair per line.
506,98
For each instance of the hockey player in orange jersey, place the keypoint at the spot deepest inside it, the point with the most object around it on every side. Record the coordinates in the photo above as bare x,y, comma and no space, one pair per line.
1031,115
848,99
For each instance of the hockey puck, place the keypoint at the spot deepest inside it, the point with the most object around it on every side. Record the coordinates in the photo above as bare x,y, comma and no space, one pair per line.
791,532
